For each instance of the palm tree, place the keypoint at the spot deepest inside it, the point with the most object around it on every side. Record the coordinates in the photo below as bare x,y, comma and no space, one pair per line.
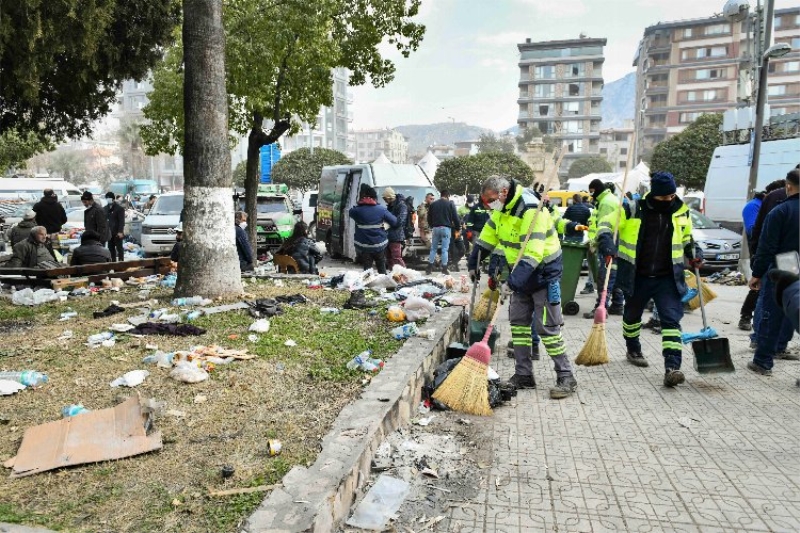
131,143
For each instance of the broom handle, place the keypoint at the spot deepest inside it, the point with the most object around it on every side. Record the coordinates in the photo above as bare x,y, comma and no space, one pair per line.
699,289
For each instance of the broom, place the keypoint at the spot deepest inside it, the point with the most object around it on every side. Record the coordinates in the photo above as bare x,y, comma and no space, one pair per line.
708,293
486,305
465,388
595,350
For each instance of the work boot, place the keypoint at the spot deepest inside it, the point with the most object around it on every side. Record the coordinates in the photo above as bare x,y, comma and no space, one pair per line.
535,352
786,355
565,386
510,350
652,324
589,314
637,359
758,369
445,271
615,310
522,382
753,345
745,324
587,290
429,269
673,377
357,300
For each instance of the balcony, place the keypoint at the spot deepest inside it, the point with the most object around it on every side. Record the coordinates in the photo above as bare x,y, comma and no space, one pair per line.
658,45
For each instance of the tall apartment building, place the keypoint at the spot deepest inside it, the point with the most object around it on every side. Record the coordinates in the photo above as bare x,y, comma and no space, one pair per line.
615,144
560,91
369,144
689,67
332,126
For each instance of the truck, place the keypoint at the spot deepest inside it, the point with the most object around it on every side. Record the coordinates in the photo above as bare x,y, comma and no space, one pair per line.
276,215
725,193
338,192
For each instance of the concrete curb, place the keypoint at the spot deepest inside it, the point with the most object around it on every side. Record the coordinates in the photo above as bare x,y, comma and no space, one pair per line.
317,499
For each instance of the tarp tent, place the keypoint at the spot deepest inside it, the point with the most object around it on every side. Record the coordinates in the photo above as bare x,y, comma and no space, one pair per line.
382,160
638,177
429,163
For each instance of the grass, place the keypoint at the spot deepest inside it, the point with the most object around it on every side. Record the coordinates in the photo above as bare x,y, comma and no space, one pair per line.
289,393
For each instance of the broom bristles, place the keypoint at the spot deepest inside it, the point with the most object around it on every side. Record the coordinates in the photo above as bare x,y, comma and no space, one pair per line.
595,351
707,293
465,388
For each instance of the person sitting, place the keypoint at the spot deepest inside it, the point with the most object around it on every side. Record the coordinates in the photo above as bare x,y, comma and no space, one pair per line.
175,255
90,251
302,249
32,252
20,231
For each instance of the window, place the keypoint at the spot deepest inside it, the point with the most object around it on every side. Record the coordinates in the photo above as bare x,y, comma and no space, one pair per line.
543,110
709,74
572,108
687,33
604,151
623,151
704,96
704,53
544,72
686,118
623,164
718,29
658,100
575,70
575,146
791,66
574,89
795,43
572,126
776,90
546,90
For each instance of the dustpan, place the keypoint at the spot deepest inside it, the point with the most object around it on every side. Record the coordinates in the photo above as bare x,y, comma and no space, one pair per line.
711,355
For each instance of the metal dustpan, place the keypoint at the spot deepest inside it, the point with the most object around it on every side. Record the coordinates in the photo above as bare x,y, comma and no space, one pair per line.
711,355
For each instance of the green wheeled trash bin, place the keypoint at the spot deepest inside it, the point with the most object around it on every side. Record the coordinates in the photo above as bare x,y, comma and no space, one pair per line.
572,257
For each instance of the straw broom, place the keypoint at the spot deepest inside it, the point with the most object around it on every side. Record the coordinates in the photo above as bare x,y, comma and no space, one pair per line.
595,350
465,388
708,293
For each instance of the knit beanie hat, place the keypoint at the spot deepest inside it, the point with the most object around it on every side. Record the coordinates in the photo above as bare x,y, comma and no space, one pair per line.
597,186
662,184
389,194
367,192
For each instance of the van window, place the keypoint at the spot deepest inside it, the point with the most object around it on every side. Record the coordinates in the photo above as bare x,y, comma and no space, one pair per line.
168,205
312,200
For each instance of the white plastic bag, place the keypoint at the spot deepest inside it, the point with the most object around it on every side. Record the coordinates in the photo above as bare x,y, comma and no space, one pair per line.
188,373
130,379
9,387
404,275
23,297
418,308
382,281
260,326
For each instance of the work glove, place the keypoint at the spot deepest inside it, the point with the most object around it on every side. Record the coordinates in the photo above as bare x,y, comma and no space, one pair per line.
505,291
493,283
580,227
696,262
474,275
609,259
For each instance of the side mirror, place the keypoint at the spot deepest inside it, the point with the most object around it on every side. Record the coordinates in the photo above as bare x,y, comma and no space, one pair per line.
297,212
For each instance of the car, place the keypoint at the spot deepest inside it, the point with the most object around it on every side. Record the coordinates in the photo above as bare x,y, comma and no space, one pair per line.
721,247
276,215
158,227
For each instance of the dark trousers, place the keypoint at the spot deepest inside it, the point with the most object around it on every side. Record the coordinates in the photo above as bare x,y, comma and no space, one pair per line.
457,251
394,254
378,258
115,247
749,305
664,293
772,327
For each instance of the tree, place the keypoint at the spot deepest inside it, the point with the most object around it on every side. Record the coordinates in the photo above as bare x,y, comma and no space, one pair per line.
279,61
526,135
16,148
130,140
588,165
240,173
61,63
301,169
688,154
489,143
208,252
467,173
68,164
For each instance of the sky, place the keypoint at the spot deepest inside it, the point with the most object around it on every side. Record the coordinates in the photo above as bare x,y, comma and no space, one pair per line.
465,69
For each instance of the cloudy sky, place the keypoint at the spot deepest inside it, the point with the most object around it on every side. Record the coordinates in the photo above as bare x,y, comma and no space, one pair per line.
466,67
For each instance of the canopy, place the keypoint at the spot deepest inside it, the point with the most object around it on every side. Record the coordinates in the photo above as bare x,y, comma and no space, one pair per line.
382,160
429,163
638,177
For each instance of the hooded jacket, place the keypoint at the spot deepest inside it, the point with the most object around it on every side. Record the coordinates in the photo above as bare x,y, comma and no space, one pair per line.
90,252
29,253
50,214
369,218
399,209
20,231
94,218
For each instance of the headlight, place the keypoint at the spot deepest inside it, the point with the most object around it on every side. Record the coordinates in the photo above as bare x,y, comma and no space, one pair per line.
146,230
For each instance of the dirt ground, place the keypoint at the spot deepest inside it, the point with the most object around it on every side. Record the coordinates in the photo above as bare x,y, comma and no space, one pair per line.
289,393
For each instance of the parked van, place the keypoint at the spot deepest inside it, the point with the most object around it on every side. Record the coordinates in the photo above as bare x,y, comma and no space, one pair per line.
158,234
338,192
30,189
729,173
310,207
563,199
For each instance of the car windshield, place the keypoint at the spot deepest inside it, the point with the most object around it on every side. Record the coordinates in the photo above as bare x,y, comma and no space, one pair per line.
21,210
76,215
267,205
418,193
145,189
702,222
168,205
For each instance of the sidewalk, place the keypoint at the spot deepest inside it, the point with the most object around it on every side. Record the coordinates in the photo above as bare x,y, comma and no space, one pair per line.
617,456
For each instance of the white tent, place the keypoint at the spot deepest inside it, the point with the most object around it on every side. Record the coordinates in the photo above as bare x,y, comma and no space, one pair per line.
429,163
382,160
638,176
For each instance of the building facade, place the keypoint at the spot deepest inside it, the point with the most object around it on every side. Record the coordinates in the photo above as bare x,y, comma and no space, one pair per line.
690,67
369,144
560,91
615,143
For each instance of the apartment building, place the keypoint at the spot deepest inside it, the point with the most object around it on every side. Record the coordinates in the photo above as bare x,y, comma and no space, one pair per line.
689,67
369,144
560,91
615,143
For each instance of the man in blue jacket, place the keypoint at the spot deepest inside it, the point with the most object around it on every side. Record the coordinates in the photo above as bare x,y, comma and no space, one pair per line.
370,237
243,247
780,234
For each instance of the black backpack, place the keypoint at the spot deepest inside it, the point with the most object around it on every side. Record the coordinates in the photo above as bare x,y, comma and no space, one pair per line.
409,227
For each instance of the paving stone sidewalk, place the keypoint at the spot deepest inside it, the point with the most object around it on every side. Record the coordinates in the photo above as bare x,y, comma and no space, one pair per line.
617,456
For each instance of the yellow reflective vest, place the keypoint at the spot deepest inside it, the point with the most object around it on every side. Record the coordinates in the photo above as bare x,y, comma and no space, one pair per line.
629,234
607,215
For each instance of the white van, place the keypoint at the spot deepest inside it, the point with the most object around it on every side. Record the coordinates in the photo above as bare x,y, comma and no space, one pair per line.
729,174
158,228
30,189
309,208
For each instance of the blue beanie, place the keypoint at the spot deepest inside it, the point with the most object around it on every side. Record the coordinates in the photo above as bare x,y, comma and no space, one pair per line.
662,184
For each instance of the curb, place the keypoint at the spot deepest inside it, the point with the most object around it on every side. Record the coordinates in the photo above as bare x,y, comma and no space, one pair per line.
16,528
318,498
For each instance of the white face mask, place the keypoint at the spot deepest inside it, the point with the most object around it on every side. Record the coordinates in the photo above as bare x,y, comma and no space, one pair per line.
243,225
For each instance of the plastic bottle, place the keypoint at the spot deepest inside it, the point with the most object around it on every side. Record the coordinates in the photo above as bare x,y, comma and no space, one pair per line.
100,337
68,314
405,331
73,409
329,310
359,360
194,300
29,378
194,315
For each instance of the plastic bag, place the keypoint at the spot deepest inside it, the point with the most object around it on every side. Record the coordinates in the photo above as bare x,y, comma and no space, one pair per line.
260,326
404,275
418,308
382,281
405,331
379,504
354,281
161,359
130,379
8,387
188,373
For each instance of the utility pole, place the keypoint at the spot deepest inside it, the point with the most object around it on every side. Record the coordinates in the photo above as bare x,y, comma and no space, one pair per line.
761,98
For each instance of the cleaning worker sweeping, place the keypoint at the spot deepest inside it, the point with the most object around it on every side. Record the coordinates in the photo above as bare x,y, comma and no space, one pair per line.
533,284
655,242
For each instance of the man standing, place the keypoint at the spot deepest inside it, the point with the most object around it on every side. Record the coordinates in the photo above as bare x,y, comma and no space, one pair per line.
50,213
175,254
578,212
396,204
534,281
94,218
31,252
370,239
780,234
652,245
475,220
115,216
442,218
422,220
243,247
607,217
150,203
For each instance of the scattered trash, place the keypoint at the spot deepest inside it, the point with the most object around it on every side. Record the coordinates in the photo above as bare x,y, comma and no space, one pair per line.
9,387
686,422
28,297
194,300
290,343
108,343
274,447
395,313
100,337
405,331
66,335
67,315
329,310
253,337
418,308
131,379
428,334
178,330
29,378
121,328
423,421
227,471
108,311
160,359
379,504
364,362
382,281
260,326
491,374
464,421
430,472
73,409
423,407
188,372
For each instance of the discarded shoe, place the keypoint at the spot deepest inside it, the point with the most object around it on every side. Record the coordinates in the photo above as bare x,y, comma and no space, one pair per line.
357,300
673,377
522,382
565,386
637,359
108,311
758,369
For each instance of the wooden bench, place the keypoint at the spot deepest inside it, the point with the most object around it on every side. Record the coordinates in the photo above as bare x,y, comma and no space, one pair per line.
284,263
94,273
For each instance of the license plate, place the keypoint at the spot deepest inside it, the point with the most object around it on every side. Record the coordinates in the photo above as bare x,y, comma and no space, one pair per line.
724,257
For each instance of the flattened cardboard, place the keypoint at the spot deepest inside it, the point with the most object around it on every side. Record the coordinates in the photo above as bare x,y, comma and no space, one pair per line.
112,433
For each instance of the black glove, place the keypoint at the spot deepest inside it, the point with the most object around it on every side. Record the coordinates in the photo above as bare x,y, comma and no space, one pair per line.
474,275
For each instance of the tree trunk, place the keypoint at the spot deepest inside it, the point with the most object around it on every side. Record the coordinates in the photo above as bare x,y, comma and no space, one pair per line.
209,264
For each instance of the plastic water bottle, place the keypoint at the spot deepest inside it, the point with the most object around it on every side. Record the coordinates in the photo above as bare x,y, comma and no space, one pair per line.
100,337
194,315
73,409
359,360
329,310
181,302
405,331
29,378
